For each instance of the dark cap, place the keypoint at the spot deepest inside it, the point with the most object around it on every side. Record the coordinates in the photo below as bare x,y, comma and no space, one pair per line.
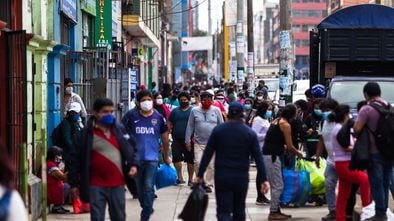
235,110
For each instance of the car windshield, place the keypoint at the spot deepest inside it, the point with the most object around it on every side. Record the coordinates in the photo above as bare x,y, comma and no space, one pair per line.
272,85
351,92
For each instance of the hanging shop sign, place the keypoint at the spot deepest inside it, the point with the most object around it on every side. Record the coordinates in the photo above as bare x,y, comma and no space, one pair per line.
89,6
103,33
69,8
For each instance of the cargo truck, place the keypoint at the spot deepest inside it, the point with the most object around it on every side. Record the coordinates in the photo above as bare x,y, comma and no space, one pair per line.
351,47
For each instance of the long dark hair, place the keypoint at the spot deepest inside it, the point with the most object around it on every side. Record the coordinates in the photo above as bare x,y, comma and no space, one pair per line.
262,109
6,168
341,111
289,112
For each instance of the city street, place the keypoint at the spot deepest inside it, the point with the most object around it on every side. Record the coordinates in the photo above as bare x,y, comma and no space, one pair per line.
171,200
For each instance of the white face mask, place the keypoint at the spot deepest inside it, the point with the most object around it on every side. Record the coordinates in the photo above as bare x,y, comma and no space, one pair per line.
259,97
159,101
193,100
146,105
69,90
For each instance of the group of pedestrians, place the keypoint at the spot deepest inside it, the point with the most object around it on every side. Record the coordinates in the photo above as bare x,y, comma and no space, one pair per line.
215,132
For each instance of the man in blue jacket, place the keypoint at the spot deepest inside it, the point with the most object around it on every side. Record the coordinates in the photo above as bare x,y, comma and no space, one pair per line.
232,142
103,156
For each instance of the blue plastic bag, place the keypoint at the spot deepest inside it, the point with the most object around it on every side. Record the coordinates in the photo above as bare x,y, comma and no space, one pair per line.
296,187
166,176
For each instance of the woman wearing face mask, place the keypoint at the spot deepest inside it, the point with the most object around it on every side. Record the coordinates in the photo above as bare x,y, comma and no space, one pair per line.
160,106
57,190
70,97
313,124
260,125
70,126
249,112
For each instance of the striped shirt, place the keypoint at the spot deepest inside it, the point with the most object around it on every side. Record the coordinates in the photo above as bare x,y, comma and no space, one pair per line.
106,160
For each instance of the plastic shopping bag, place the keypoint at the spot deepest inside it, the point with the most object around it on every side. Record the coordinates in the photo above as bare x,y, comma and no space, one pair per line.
166,176
196,205
296,187
80,207
316,175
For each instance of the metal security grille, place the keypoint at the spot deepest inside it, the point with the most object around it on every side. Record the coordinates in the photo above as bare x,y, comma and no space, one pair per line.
16,99
100,73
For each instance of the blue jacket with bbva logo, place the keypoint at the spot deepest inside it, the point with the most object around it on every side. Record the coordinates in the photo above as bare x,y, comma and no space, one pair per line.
147,132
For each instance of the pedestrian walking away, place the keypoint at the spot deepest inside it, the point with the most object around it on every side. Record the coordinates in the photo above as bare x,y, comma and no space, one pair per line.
102,156
177,124
148,127
380,169
201,122
232,164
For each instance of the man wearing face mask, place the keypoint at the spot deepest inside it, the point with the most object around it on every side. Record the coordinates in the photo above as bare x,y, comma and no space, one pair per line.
70,97
70,126
177,123
103,156
201,122
147,126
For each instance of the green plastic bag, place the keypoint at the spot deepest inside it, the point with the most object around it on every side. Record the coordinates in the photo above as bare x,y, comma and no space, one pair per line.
316,175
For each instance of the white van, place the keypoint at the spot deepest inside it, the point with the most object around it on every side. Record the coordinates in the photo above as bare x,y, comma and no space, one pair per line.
299,88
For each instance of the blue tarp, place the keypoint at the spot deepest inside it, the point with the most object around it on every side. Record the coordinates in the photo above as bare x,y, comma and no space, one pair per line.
360,16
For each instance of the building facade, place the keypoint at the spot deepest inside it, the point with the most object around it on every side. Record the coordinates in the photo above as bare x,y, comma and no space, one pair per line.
334,5
306,14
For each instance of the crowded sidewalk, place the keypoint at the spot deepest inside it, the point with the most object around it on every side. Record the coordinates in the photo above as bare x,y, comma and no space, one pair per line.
171,200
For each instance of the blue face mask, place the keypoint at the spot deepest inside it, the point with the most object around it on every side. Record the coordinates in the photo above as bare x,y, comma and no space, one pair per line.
107,120
75,117
268,114
248,107
325,115
318,112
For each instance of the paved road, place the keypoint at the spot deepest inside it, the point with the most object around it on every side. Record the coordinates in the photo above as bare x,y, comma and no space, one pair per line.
171,200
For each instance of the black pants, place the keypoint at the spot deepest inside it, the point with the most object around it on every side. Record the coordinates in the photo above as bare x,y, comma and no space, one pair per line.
230,198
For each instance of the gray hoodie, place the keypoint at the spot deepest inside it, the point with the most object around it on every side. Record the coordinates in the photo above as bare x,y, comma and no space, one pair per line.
201,124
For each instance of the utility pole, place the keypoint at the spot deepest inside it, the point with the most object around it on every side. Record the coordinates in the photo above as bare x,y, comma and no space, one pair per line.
286,54
210,35
240,42
250,77
225,44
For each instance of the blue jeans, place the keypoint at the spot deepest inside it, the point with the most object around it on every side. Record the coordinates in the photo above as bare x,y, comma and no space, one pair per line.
146,178
230,198
380,172
114,196
330,184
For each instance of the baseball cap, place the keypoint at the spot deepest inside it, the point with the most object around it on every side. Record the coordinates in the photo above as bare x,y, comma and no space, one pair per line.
235,110
74,106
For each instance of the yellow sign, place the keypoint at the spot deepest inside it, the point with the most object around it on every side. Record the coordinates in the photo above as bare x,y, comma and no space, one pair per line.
141,52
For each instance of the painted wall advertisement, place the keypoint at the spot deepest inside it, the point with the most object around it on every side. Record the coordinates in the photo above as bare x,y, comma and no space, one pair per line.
69,8
103,32
89,6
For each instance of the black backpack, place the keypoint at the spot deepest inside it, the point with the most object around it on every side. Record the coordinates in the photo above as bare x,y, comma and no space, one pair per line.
57,139
384,133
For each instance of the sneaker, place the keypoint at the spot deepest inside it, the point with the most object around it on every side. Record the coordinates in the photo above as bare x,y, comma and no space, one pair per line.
208,189
190,183
64,209
180,182
330,216
262,201
58,210
284,214
368,211
277,216
377,218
